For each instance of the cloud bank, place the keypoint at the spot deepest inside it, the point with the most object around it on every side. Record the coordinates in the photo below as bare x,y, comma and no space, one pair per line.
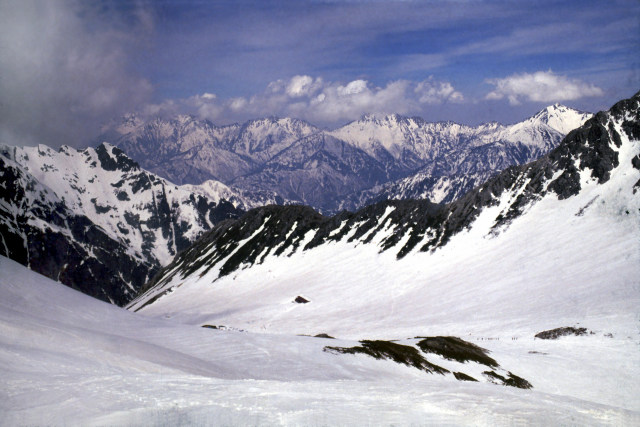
316,100
65,67
541,86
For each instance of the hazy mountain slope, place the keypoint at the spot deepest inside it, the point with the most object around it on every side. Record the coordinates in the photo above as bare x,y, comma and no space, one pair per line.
317,170
96,221
189,151
423,186
176,150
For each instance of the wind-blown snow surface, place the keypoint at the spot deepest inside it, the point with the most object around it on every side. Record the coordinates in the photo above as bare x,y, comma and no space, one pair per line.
67,359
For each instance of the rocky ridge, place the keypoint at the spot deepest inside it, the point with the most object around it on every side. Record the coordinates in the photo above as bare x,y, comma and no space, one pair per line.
94,220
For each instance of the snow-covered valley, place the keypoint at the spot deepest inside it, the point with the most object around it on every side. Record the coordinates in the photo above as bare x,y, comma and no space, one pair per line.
376,213
68,359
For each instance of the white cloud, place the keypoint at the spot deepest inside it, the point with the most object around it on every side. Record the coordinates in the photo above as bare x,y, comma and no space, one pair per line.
541,86
353,88
432,92
237,104
303,86
318,101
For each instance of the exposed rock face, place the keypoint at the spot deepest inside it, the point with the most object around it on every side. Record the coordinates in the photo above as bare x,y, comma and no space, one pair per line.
451,348
554,334
94,220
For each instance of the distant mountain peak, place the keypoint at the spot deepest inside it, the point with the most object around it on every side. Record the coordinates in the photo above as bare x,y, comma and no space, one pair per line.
380,118
561,118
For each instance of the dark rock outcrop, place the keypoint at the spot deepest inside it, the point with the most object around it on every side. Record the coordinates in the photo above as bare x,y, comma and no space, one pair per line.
554,334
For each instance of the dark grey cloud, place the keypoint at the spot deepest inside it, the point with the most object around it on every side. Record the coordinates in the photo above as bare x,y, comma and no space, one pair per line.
65,69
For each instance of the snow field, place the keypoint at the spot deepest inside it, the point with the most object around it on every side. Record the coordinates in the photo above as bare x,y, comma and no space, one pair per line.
66,359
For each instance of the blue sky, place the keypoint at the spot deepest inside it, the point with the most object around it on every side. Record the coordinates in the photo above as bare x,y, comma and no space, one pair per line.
69,66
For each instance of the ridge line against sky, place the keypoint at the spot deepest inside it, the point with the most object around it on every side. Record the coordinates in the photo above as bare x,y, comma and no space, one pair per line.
67,67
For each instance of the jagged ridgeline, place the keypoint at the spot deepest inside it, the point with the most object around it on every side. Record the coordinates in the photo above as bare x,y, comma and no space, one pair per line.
371,159
590,152
95,221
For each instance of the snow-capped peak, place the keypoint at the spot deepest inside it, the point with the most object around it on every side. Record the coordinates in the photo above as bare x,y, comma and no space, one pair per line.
561,118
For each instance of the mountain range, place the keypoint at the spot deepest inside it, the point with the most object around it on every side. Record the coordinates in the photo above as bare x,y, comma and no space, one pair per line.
538,266
344,168
95,220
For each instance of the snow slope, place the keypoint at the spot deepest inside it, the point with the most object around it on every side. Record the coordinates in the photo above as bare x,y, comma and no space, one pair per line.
67,359
543,246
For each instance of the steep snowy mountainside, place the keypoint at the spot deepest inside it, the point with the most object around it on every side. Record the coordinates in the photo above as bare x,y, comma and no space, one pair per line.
71,359
142,218
563,228
323,168
38,230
